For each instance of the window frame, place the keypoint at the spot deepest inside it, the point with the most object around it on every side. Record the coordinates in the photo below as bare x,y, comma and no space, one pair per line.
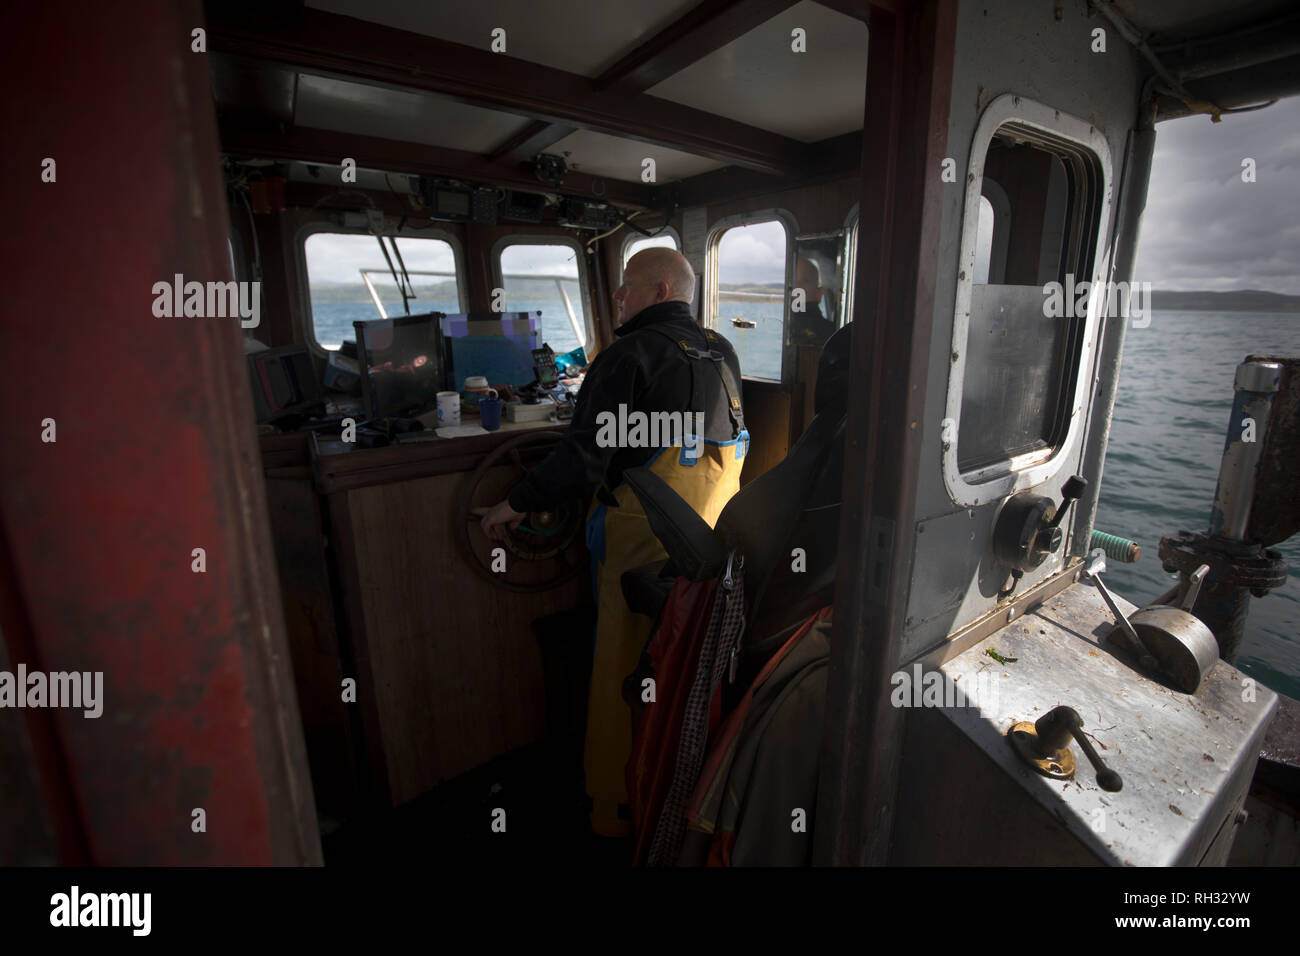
1000,240
310,229
1002,478
851,223
709,307
498,280
632,236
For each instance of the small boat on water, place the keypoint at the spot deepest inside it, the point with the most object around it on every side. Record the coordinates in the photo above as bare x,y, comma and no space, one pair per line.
306,636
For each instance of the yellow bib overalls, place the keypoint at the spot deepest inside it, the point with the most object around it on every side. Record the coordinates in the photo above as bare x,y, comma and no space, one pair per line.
620,539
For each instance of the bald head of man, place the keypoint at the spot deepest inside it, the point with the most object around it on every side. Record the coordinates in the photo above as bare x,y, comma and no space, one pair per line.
653,276
808,277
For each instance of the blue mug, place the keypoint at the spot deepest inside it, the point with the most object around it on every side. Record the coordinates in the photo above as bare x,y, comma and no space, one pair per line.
489,410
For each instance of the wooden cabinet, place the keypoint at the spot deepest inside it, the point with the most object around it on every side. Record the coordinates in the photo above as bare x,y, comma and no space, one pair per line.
448,672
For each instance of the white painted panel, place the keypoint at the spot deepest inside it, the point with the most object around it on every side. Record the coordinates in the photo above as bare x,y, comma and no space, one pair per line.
601,155
758,79
325,103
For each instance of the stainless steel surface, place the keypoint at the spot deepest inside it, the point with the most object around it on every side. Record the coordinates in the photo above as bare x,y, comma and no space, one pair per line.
1182,644
1261,377
973,633
1186,761
1166,640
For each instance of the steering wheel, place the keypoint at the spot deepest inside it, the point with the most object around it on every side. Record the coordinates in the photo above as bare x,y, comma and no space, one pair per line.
546,549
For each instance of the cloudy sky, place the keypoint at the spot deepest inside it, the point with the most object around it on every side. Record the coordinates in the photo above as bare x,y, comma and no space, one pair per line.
1206,229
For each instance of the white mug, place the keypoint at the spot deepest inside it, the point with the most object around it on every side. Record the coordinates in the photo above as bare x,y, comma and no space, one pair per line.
448,408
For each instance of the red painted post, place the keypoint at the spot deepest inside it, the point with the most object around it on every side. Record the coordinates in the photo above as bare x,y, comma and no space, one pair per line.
154,456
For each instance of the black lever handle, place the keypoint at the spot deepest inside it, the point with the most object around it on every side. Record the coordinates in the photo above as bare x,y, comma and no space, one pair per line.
1056,727
1073,491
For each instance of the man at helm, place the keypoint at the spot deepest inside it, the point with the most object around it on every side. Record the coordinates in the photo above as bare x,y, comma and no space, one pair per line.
661,361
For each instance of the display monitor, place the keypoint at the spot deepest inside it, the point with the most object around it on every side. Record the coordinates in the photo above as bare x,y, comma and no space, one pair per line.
496,345
402,365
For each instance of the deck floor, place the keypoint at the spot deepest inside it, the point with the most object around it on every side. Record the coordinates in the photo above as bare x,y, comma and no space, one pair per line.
545,822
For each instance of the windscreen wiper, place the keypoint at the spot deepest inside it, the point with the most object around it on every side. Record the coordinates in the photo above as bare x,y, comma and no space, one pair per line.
403,282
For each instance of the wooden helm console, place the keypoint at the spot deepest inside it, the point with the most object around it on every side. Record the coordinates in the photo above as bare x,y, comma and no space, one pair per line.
544,551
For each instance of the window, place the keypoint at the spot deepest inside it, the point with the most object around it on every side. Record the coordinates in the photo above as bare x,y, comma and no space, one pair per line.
635,242
983,241
750,264
1033,219
545,277
349,280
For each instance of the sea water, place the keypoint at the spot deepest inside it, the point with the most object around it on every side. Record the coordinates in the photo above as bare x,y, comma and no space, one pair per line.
1162,466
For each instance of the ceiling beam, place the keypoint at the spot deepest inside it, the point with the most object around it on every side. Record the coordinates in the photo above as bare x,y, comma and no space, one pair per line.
397,156
706,28
331,45
857,9
833,158
537,137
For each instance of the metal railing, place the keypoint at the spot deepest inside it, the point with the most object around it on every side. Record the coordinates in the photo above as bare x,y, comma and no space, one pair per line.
374,295
559,280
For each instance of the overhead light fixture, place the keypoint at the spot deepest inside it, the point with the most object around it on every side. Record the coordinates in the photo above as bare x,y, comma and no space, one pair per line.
550,168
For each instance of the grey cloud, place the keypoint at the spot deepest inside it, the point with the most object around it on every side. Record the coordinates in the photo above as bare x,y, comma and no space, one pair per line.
1206,229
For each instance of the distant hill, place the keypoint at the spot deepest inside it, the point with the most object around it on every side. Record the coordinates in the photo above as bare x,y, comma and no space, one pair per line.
1241,300
356,292
770,288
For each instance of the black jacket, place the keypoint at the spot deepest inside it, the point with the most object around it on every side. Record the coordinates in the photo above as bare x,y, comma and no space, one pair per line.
648,372
810,327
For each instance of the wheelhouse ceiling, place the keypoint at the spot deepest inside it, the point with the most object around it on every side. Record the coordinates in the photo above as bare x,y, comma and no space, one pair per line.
697,85
578,36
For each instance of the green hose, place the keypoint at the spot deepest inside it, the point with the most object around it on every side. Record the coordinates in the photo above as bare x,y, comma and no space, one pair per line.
1116,548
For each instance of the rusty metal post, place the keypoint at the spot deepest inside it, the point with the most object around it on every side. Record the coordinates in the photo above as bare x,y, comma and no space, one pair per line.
128,444
1238,565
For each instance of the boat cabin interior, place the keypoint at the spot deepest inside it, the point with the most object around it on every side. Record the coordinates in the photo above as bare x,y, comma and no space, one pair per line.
432,206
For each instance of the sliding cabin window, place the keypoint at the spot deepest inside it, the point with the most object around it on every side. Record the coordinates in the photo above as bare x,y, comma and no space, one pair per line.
749,277
349,280
546,275
1038,194
634,242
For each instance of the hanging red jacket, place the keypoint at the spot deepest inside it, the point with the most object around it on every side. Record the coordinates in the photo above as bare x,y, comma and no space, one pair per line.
672,655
